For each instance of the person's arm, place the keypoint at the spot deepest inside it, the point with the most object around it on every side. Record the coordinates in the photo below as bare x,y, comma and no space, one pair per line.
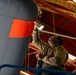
37,41
59,58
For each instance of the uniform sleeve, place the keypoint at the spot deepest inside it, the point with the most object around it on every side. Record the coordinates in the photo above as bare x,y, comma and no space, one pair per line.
60,57
37,41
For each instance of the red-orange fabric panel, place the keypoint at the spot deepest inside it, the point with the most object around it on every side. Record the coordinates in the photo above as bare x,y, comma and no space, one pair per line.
21,28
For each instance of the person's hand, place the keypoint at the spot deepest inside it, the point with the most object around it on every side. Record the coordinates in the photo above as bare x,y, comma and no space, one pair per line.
37,25
38,57
44,59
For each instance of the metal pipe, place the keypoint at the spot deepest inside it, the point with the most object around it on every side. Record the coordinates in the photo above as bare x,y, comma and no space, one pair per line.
57,34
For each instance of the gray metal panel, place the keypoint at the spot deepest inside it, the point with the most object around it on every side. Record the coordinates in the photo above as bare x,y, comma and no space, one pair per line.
15,54
21,9
13,50
11,9
28,8
5,25
2,6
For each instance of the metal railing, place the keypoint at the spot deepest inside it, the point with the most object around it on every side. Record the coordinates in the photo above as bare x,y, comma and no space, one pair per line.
37,70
